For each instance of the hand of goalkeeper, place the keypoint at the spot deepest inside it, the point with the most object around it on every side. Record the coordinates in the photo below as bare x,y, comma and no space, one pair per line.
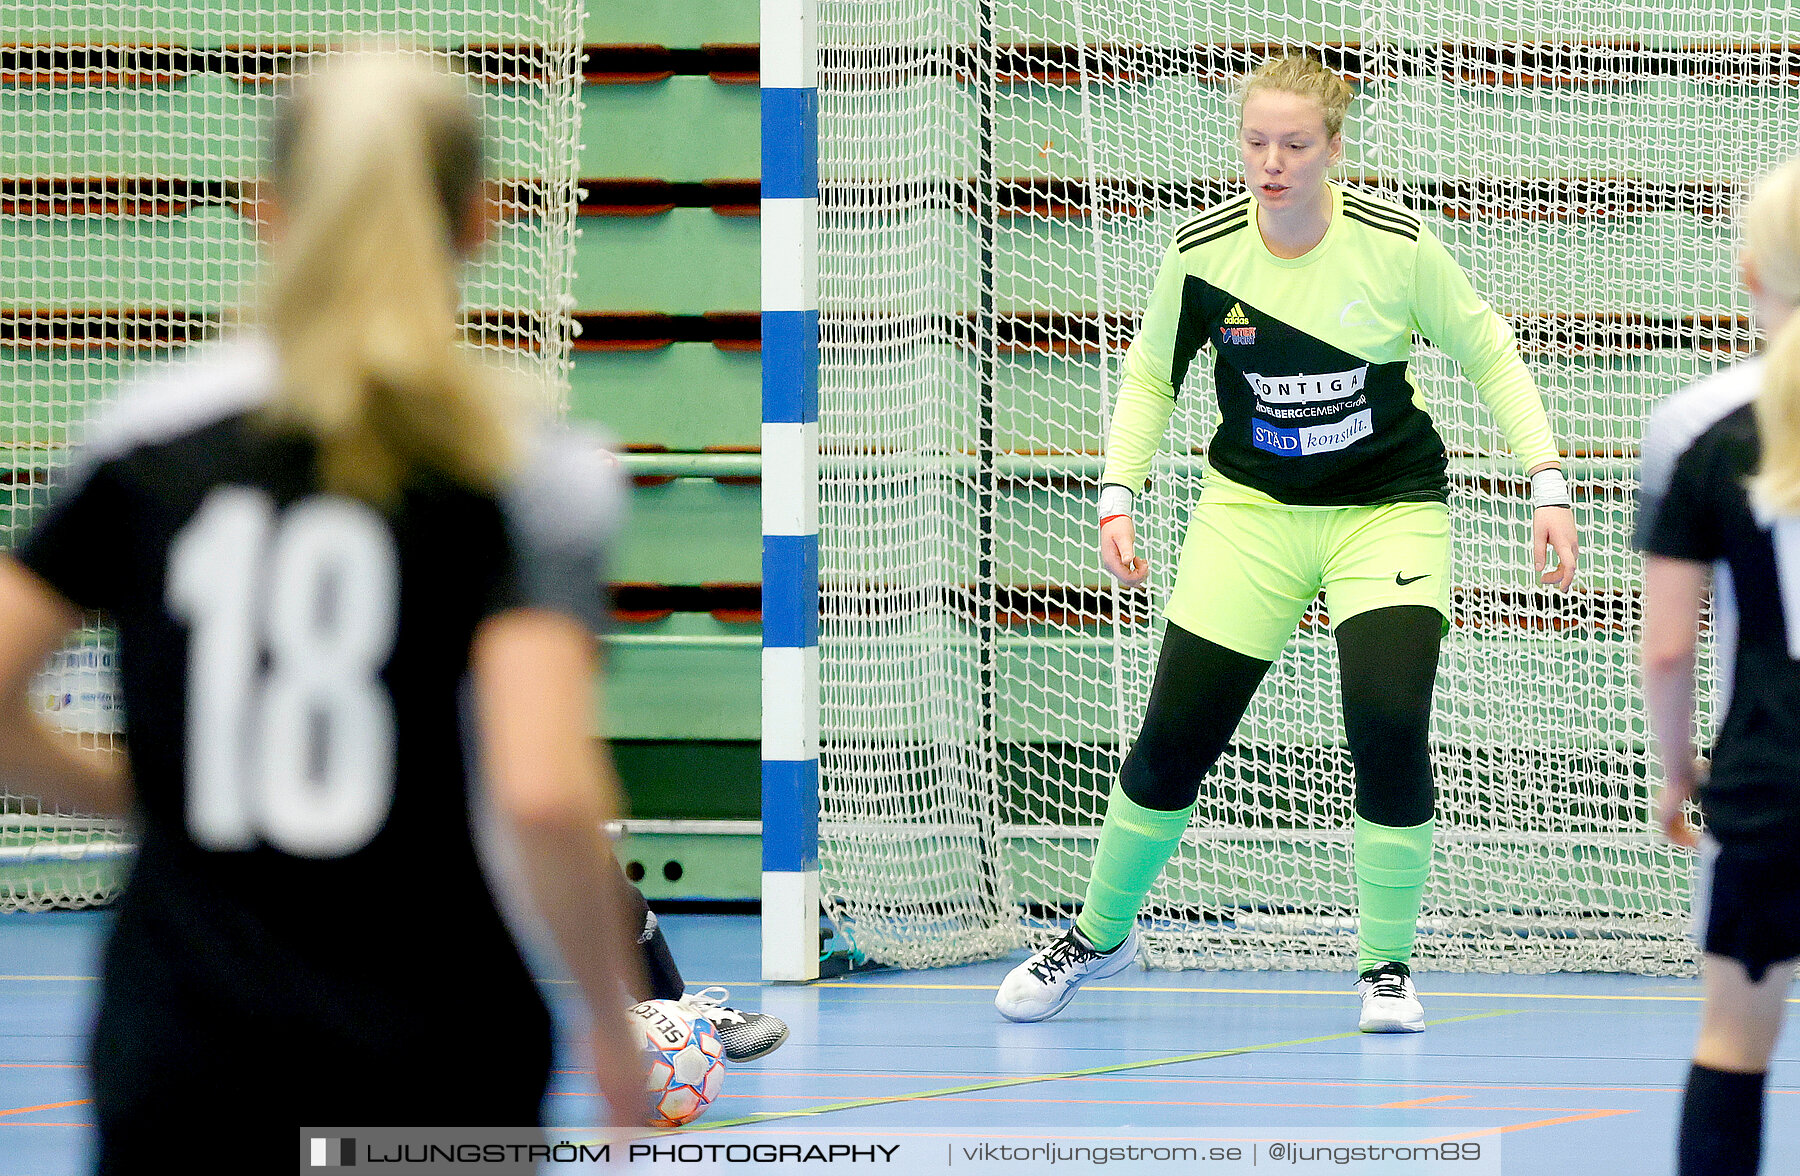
1118,551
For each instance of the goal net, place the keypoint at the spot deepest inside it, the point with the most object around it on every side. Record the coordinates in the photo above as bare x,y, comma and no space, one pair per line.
127,232
998,181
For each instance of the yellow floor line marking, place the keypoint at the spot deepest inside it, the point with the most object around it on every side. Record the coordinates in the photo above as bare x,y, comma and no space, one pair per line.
1031,1079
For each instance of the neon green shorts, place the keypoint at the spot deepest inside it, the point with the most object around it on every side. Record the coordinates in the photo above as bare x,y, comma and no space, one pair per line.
1249,571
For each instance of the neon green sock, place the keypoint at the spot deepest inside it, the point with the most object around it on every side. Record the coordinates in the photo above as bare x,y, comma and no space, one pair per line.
1391,868
1135,844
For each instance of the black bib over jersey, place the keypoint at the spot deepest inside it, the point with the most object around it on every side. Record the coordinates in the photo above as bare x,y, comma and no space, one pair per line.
380,984
1357,424
1699,448
1312,356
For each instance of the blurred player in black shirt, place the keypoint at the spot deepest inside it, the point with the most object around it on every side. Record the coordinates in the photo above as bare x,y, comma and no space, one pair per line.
355,590
1720,501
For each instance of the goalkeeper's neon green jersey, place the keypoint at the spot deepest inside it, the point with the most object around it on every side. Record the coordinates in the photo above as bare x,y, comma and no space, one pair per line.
1310,359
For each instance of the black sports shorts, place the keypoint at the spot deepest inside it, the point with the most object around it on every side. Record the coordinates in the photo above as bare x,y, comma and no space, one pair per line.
1747,906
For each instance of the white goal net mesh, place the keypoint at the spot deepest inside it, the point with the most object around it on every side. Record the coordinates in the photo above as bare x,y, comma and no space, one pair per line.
133,140
999,181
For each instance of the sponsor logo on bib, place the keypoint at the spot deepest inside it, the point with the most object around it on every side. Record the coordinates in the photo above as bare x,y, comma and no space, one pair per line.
1312,438
1308,388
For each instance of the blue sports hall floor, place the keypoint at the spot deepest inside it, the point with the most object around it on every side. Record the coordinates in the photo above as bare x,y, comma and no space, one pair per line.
1576,1074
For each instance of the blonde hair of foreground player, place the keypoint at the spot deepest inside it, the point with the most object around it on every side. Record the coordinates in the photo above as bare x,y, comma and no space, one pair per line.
362,308
1741,1018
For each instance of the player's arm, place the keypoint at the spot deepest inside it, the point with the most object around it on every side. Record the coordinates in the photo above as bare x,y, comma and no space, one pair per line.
75,559
1449,312
555,789
1674,592
1680,484
1141,411
51,765
534,666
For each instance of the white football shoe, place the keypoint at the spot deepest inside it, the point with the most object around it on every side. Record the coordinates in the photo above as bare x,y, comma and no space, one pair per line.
1390,1004
1039,988
745,1036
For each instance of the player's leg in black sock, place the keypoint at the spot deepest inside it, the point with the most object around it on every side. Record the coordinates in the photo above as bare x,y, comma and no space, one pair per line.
659,963
1722,1108
1200,692
1721,1123
746,1036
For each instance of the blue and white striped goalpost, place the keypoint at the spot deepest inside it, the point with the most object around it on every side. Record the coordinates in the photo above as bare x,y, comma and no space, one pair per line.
790,494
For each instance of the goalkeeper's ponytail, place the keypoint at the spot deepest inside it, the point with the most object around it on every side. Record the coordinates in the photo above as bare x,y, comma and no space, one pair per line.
1772,250
376,164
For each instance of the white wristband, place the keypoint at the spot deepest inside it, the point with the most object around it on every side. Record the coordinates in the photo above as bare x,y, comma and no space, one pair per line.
1549,488
1115,500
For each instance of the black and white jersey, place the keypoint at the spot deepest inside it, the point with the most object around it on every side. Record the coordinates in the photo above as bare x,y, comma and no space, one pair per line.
1699,448
292,669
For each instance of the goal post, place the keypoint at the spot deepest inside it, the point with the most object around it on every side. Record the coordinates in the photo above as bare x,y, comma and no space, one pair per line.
790,502
127,202
997,181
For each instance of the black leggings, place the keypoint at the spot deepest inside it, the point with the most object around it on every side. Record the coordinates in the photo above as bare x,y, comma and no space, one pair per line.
658,962
1387,661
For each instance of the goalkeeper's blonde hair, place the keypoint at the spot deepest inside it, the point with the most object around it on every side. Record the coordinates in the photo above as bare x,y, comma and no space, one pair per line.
1307,76
376,163
1772,248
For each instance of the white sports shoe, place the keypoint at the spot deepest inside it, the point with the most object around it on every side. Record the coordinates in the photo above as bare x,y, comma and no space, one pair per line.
1039,988
1389,1002
745,1036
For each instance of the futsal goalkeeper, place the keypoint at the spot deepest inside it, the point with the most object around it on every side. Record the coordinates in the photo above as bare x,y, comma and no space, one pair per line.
1325,473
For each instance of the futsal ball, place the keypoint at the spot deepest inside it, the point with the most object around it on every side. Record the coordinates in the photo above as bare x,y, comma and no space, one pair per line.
686,1062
